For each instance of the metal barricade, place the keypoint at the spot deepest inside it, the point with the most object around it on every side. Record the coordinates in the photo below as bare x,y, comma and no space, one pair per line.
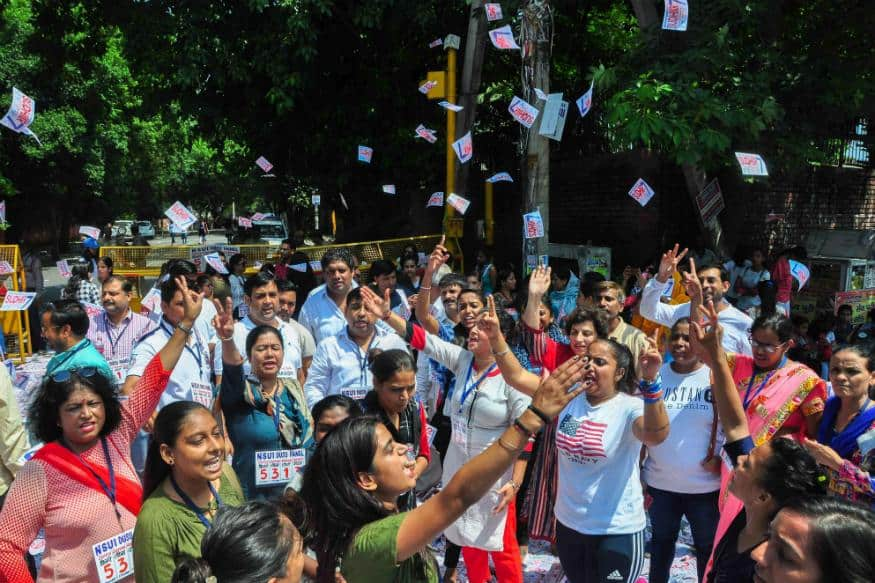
16,325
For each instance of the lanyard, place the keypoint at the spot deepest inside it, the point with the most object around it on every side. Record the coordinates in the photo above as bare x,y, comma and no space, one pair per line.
363,360
112,344
67,355
190,503
197,356
110,489
469,386
747,396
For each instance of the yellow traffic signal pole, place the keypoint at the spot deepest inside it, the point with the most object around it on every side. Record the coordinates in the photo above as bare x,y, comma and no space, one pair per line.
451,124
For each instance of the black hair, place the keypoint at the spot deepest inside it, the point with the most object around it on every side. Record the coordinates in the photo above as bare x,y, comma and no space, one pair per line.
354,295
767,291
45,409
847,307
206,278
284,285
332,401
724,274
334,255
863,349
168,290
337,506
453,279
288,242
841,537
477,292
589,282
381,267
623,356
250,543
235,259
562,272
168,424
79,273
106,260
503,274
579,315
256,281
777,323
790,471
127,286
68,312
678,322
385,364
257,333
177,267
409,257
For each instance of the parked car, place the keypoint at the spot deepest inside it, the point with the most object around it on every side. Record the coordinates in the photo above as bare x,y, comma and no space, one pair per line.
122,228
147,230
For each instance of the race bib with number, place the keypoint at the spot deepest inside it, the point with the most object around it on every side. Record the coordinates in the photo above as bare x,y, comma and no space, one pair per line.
202,393
355,392
277,467
460,432
114,557
119,367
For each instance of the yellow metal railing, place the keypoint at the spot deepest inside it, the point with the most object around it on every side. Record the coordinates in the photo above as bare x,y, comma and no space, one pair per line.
16,325
141,262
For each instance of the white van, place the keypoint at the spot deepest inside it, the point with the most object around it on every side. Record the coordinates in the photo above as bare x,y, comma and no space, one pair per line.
271,229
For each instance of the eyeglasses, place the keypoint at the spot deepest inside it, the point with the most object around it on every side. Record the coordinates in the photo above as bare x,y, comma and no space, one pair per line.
769,348
62,376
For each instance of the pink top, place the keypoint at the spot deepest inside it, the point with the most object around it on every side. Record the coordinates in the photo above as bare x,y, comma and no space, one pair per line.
74,517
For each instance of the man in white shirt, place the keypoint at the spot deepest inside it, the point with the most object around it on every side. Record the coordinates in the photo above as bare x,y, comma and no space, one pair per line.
261,296
288,300
114,331
190,379
323,312
340,364
715,282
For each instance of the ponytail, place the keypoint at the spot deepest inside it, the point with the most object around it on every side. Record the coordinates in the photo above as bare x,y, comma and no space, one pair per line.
167,427
192,570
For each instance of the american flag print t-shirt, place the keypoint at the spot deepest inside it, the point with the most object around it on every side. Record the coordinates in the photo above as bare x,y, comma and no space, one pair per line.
599,490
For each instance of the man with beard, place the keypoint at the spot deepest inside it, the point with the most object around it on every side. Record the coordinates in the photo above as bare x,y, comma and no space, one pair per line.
64,326
114,331
714,280
341,362
323,313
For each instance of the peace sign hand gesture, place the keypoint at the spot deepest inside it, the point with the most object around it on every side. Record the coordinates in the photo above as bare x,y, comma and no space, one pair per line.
223,321
650,360
669,263
489,323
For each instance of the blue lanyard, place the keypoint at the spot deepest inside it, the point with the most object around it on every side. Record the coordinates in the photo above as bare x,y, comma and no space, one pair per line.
198,356
110,489
190,503
112,344
469,386
747,396
363,361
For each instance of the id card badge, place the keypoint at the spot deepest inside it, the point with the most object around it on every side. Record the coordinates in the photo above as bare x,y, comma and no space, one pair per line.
202,393
114,557
460,432
430,432
277,467
355,392
288,372
119,367
866,442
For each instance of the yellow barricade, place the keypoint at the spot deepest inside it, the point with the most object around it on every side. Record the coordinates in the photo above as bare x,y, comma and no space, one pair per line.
141,262
16,325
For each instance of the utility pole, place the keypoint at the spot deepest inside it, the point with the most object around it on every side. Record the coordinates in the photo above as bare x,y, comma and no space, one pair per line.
472,69
536,40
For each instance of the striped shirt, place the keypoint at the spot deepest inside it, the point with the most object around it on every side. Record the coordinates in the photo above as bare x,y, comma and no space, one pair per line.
116,342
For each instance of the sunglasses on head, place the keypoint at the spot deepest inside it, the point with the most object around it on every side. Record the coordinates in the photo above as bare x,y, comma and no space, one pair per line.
62,376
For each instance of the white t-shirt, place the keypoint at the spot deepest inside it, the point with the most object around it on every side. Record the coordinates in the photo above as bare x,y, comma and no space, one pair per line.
599,489
675,465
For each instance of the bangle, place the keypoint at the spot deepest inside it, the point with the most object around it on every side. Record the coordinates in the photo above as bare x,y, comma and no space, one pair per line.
231,337
184,329
502,353
422,287
540,414
525,430
510,448
651,390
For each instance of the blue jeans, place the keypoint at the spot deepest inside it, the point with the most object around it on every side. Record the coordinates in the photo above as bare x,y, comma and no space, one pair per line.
665,518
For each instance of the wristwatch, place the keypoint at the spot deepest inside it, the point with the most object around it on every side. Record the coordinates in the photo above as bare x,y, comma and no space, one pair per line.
184,329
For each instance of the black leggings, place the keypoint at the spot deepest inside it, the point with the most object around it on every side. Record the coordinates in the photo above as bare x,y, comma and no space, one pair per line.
592,558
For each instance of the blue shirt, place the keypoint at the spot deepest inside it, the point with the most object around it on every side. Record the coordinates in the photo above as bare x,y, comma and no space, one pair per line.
79,356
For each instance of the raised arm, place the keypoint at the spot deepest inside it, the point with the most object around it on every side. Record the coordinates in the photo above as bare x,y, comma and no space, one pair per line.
729,407
539,283
693,287
512,371
476,477
423,306
223,323
651,307
380,307
652,427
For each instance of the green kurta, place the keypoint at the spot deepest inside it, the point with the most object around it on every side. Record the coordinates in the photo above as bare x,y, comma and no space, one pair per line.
167,531
371,556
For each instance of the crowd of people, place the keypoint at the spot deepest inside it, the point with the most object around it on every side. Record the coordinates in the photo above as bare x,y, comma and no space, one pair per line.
228,436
